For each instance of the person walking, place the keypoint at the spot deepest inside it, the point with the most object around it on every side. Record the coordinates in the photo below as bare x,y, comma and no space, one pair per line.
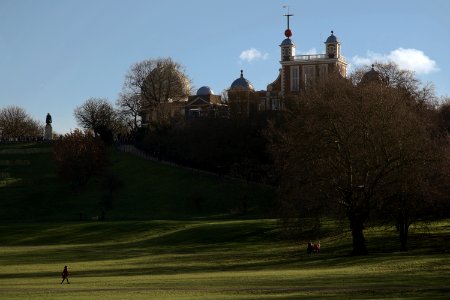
65,275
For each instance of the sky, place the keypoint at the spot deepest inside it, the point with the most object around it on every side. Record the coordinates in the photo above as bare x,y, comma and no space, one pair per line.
55,54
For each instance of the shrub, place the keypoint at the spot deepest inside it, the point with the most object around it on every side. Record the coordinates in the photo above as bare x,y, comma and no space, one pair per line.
80,156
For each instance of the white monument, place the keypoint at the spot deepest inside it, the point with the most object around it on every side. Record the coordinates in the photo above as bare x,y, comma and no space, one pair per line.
48,134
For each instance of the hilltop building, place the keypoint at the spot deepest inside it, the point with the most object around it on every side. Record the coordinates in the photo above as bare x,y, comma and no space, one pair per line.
204,104
297,72
243,99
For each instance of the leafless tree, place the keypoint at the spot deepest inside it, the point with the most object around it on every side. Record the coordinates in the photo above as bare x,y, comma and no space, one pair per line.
350,147
16,123
158,82
444,110
96,114
79,156
401,79
224,96
129,106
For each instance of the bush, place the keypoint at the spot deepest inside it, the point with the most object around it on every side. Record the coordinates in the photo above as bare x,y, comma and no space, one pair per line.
80,156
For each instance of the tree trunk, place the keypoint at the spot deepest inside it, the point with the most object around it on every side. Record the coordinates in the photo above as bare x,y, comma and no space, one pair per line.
357,227
357,214
357,218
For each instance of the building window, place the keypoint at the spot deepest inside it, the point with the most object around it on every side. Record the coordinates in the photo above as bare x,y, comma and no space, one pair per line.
331,51
295,78
194,113
309,74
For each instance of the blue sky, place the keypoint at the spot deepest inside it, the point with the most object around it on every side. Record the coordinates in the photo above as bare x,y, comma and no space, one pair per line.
55,54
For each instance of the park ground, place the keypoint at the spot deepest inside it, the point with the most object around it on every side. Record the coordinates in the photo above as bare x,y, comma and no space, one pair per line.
204,250
242,259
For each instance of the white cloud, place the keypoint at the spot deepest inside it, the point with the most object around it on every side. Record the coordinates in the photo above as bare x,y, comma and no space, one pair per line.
413,59
409,59
253,54
311,51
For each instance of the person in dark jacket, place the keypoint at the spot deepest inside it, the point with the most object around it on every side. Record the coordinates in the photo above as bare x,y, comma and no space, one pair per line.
65,275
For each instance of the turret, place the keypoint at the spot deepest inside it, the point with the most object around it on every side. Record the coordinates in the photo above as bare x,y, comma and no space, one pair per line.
332,46
287,46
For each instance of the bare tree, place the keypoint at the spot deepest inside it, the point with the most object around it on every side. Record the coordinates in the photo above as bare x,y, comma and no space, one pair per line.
444,111
157,82
401,79
129,106
96,114
16,123
350,147
391,72
79,156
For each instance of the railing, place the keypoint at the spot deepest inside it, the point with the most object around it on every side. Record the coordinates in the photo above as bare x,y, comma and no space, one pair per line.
310,57
316,56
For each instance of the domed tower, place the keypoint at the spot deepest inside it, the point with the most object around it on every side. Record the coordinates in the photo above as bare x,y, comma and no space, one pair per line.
205,91
287,46
332,46
242,97
373,76
241,85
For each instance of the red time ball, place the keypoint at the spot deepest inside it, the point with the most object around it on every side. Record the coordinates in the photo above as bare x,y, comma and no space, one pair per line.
288,33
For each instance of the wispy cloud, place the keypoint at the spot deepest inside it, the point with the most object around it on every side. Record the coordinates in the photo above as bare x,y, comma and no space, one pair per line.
253,54
409,59
311,51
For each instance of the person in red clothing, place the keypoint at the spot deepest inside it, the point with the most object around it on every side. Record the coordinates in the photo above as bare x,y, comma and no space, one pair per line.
65,275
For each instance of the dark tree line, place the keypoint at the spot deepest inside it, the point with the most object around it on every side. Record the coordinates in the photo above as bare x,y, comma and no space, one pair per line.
81,157
362,150
227,146
377,150
16,123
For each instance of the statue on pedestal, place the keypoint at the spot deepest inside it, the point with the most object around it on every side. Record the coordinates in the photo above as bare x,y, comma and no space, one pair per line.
48,128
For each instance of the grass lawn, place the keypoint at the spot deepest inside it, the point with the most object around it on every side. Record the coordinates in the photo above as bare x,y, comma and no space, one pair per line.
31,190
242,259
172,233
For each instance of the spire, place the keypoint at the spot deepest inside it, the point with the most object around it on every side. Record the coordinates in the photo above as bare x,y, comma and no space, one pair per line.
288,32
287,15
242,73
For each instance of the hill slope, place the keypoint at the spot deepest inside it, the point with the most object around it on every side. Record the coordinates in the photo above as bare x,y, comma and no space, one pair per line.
31,190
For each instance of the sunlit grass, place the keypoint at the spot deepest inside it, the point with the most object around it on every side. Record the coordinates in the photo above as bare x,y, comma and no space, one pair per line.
9,181
209,260
199,257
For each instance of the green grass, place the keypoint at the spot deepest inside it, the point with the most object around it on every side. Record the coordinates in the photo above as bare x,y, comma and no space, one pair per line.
243,259
31,190
158,244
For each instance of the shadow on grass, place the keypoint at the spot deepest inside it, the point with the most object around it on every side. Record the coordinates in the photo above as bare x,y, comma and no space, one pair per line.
173,247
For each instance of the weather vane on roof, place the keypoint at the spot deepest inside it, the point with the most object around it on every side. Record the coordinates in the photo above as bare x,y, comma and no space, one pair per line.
287,15
288,31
